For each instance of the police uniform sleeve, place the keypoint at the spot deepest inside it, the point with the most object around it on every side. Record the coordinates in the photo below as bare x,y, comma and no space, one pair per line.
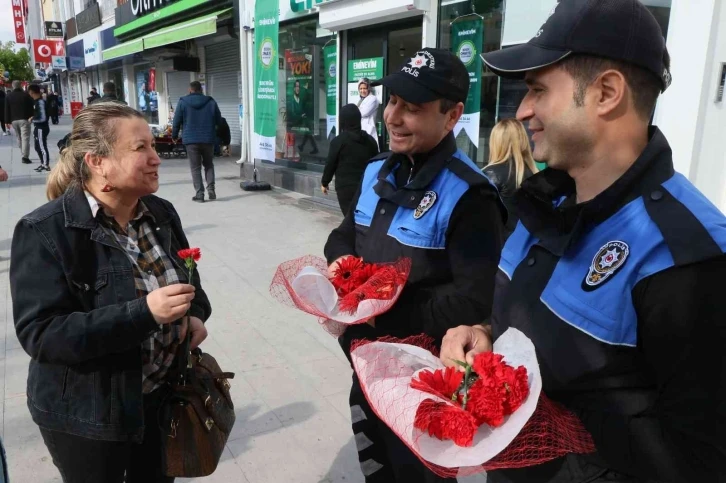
682,336
474,242
341,241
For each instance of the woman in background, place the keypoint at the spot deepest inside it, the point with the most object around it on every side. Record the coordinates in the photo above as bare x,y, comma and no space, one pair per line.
348,157
368,105
510,163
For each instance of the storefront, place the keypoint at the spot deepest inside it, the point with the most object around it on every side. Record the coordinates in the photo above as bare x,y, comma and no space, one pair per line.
159,51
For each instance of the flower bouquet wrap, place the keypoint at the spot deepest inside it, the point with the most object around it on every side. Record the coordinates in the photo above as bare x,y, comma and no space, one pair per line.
492,415
356,292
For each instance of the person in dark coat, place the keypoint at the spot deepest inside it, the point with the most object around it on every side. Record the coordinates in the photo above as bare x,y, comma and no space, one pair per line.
348,156
52,106
2,112
224,139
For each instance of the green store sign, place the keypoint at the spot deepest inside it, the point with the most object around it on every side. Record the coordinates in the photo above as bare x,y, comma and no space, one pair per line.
302,5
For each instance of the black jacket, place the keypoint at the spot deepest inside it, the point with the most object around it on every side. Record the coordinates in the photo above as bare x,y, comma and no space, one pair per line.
19,106
656,410
2,105
504,177
445,287
105,98
51,103
223,133
348,156
78,317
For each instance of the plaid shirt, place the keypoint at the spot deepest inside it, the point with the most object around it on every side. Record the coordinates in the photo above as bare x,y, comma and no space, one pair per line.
152,269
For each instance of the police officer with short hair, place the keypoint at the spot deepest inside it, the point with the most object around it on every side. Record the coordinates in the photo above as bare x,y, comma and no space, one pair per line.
615,271
426,201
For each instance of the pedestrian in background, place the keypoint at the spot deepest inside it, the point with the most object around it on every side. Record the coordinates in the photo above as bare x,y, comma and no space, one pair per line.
99,297
94,95
348,157
510,163
368,105
109,94
19,109
198,116
2,112
40,128
52,106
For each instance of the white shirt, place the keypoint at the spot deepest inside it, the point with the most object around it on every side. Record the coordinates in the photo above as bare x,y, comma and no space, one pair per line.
368,110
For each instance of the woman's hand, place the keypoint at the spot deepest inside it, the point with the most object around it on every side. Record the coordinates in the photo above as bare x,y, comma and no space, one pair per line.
170,303
198,331
465,342
324,189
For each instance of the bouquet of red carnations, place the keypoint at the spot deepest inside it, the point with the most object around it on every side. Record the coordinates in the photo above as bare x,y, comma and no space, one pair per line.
490,415
356,292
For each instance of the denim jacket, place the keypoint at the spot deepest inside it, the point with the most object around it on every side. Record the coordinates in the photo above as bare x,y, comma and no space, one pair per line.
77,314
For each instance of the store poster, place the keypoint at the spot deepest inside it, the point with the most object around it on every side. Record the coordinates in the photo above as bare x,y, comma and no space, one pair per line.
466,38
330,52
76,103
146,97
300,91
372,69
265,79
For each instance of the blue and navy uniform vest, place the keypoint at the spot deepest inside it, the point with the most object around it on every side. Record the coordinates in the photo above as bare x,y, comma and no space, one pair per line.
572,293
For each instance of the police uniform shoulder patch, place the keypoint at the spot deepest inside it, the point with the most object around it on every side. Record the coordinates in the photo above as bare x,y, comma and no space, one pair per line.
608,260
427,202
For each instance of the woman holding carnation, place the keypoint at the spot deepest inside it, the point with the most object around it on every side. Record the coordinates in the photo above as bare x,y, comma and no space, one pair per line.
99,293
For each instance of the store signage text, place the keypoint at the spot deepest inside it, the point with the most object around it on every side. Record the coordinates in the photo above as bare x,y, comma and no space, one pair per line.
142,7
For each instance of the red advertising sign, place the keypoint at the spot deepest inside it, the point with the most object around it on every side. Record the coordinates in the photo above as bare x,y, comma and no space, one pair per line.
45,50
75,109
18,21
152,79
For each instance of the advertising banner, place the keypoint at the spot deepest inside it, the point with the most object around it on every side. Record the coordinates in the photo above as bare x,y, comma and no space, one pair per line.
466,39
358,69
300,90
44,50
18,21
265,79
330,52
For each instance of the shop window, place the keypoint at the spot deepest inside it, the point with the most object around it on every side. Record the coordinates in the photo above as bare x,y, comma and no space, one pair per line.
490,12
302,120
147,99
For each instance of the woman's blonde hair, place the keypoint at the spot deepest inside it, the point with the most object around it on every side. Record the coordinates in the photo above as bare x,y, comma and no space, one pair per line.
93,132
509,141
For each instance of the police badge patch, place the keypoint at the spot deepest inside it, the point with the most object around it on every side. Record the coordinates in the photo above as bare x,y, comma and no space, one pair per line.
606,262
427,202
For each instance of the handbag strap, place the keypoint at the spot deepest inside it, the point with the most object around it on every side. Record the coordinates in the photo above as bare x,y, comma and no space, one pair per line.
183,357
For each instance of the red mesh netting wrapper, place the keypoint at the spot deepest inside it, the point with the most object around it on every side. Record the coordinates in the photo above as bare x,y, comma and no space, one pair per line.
303,284
544,430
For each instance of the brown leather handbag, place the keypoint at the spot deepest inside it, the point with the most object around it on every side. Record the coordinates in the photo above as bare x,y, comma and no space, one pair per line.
197,415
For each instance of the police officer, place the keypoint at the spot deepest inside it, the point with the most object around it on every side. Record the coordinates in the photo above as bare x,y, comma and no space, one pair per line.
615,271
428,202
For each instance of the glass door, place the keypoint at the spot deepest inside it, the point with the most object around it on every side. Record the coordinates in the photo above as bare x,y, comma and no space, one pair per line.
390,45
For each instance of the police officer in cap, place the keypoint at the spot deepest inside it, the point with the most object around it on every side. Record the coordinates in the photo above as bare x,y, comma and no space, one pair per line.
616,269
424,200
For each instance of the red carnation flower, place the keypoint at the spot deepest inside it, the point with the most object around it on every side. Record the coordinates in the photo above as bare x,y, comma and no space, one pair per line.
441,382
193,253
446,421
486,401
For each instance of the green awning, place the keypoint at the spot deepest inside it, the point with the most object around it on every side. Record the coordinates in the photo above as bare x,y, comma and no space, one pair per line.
190,29
127,48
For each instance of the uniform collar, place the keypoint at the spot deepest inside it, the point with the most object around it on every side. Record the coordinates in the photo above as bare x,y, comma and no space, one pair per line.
539,202
431,163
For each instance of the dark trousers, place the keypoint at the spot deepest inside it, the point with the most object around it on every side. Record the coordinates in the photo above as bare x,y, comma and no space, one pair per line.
82,460
201,155
2,124
383,457
308,137
345,198
54,118
40,134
